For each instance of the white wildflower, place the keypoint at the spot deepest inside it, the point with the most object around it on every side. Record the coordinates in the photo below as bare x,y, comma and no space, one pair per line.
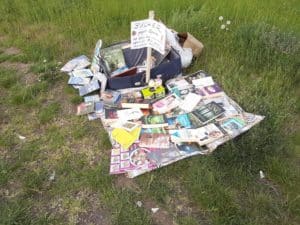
44,61
139,203
223,26
21,137
228,22
52,176
227,28
154,210
221,18
261,174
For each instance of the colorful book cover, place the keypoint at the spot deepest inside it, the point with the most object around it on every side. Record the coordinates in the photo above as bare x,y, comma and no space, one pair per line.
133,158
180,121
153,121
110,97
208,112
212,89
129,114
110,114
166,104
150,140
233,126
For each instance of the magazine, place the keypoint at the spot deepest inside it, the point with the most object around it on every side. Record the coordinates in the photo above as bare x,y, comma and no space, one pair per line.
150,140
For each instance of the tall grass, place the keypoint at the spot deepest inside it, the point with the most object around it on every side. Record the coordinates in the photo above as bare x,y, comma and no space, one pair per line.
256,62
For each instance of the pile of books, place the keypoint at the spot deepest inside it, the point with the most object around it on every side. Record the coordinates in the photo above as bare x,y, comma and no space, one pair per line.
194,118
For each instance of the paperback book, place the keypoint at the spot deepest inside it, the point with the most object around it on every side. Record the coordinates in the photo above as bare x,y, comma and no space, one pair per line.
150,140
110,97
78,80
166,104
202,135
208,112
91,87
154,121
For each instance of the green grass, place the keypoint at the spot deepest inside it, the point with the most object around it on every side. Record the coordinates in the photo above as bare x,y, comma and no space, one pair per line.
256,62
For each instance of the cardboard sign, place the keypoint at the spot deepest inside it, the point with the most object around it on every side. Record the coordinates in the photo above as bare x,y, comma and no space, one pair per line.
148,33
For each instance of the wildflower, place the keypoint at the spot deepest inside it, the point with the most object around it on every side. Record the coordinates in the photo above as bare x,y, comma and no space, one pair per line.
228,22
227,28
221,18
44,61
223,26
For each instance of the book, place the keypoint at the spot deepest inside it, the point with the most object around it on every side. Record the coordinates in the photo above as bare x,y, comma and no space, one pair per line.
78,80
233,125
79,62
135,100
180,121
91,98
202,135
177,83
211,91
131,159
154,121
129,114
88,88
84,73
85,108
208,112
95,65
166,104
113,58
110,115
126,125
190,101
190,149
110,97
195,76
150,140
203,81
125,138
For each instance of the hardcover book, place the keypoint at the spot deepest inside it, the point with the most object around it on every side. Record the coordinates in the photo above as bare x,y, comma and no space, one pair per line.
154,121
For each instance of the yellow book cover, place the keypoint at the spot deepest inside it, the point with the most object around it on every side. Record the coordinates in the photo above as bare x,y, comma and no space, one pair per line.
126,138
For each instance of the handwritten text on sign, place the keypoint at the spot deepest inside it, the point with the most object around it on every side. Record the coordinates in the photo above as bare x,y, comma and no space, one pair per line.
148,33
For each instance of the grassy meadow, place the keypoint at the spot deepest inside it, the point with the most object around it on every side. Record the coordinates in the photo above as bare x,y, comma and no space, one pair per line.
59,173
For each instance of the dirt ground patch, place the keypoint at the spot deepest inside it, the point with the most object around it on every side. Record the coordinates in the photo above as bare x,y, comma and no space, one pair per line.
12,51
